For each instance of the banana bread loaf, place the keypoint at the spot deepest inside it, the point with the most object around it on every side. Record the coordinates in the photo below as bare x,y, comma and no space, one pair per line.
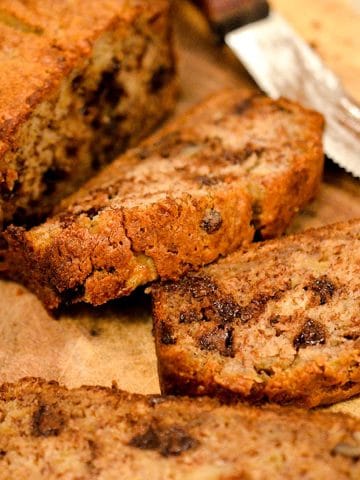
278,321
49,432
180,200
80,81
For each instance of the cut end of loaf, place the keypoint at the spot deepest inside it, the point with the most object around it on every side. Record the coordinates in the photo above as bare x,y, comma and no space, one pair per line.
276,322
97,97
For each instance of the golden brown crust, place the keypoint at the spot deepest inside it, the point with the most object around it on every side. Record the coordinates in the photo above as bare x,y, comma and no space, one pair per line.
74,75
47,431
179,201
278,321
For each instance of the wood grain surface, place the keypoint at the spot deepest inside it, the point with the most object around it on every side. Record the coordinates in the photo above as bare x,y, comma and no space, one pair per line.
87,345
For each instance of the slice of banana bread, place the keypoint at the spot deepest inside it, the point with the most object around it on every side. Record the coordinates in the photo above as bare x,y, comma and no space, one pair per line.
80,81
179,201
49,432
278,321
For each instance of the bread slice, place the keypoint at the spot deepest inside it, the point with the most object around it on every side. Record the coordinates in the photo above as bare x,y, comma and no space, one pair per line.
49,432
182,199
81,81
278,321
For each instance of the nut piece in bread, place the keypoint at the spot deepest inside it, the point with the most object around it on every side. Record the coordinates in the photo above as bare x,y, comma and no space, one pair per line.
278,321
183,198
81,81
49,432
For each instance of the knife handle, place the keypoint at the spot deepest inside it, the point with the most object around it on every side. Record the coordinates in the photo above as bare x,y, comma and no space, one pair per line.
227,15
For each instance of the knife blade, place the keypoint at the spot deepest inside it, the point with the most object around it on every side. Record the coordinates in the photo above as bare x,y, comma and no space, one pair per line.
283,64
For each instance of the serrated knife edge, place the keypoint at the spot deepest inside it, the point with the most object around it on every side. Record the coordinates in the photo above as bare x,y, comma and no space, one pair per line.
284,65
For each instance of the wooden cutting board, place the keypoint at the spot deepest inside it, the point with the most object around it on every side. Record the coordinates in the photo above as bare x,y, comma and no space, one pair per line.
88,345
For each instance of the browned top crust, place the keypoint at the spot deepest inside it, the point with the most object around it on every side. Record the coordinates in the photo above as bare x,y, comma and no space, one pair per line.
49,432
183,198
41,40
278,321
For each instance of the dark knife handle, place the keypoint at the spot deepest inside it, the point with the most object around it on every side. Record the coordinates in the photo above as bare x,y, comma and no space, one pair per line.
227,15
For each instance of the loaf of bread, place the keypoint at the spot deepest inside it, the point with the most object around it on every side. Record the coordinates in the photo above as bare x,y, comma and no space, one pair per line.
184,197
81,81
49,432
278,321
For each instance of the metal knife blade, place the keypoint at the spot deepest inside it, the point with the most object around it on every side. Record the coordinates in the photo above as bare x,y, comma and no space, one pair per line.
284,65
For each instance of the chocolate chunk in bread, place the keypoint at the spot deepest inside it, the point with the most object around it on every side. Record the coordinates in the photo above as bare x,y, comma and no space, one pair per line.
147,216
81,81
97,432
280,323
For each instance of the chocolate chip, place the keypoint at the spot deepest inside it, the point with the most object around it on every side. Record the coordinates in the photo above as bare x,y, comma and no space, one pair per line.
190,316
254,309
52,177
219,339
212,221
71,150
323,287
147,441
166,334
198,287
160,78
175,440
168,441
47,422
92,212
312,333
2,454
108,89
352,336
229,338
226,309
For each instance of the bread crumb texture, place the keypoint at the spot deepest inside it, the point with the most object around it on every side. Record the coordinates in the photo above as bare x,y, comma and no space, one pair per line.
49,432
278,321
81,81
194,191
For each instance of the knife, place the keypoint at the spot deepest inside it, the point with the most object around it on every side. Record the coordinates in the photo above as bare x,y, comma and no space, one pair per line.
283,64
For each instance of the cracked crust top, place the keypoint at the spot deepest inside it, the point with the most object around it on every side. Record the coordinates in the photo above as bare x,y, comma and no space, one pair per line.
183,198
49,432
278,321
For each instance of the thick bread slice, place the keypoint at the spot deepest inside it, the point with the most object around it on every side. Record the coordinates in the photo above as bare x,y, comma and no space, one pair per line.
278,321
80,81
49,432
179,201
